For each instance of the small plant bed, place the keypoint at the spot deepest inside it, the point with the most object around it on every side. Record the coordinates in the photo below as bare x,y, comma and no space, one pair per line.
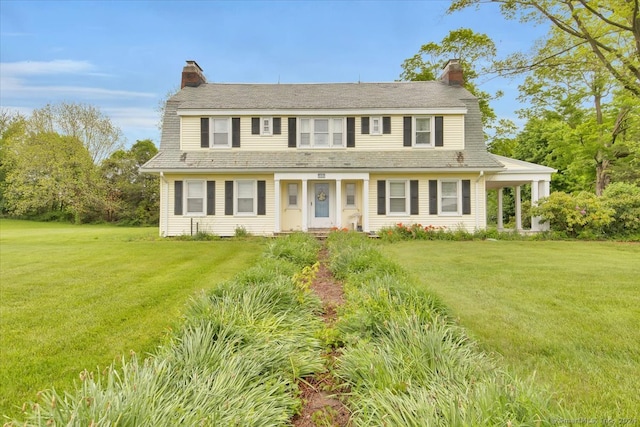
321,405
407,363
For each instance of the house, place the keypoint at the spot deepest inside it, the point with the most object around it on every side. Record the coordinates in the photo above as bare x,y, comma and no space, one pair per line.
273,158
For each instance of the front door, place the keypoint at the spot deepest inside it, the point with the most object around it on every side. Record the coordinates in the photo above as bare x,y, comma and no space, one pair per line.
321,205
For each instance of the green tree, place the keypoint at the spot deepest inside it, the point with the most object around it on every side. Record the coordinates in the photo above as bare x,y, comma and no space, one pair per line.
471,49
12,129
51,173
84,122
610,29
132,197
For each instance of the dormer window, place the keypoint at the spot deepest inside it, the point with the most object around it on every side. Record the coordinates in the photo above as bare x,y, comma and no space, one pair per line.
423,136
266,126
321,132
376,126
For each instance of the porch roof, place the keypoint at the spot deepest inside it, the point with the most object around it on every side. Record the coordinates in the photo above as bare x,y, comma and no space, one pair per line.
517,172
329,160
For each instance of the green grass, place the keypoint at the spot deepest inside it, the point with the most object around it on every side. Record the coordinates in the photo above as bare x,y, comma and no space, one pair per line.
568,311
76,297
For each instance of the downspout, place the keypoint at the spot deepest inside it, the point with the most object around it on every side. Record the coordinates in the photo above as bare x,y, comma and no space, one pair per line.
477,182
166,205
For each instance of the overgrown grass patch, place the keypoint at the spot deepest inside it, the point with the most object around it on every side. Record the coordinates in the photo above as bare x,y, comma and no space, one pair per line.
78,297
234,360
567,311
408,364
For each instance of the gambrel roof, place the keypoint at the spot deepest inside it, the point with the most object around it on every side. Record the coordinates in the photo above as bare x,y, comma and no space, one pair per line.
300,99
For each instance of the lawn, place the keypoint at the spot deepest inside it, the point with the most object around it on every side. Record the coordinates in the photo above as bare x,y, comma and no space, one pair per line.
76,297
567,311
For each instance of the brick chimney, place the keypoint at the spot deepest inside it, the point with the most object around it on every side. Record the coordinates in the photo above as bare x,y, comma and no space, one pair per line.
192,75
452,73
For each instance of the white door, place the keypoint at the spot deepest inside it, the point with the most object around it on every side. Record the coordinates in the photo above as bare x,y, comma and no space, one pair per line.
321,205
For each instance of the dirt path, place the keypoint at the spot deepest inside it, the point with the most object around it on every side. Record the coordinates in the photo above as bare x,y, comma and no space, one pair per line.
321,408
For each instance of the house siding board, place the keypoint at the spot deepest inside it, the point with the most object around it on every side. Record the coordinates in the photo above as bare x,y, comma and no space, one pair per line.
190,133
221,225
450,222
453,132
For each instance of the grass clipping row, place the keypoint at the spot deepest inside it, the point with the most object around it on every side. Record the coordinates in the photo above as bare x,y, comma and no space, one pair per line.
234,361
408,364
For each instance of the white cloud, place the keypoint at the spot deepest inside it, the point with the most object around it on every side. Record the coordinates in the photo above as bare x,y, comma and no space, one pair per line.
131,117
58,66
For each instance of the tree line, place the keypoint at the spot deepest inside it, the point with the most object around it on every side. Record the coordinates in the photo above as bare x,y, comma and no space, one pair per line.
67,162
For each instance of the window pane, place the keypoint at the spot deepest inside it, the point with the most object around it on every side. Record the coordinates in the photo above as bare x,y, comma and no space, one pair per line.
423,138
195,206
350,190
337,140
321,125
375,125
397,205
305,139
396,189
194,189
449,204
245,205
220,139
245,189
423,125
220,125
304,126
449,189
293,194
321,140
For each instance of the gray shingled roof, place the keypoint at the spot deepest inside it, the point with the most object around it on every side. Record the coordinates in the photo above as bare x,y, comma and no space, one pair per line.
355,96
321,96
325,160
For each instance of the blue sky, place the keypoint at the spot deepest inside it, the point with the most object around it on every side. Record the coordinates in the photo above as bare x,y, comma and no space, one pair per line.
124,56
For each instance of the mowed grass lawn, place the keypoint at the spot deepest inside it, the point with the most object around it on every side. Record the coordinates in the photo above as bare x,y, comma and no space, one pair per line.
568,311
76,297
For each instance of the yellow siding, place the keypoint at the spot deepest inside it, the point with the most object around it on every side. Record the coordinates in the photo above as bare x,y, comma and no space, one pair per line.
468,222
453,135
220,224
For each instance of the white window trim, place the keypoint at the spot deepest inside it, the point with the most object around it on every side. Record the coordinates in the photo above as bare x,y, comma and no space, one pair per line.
458,183
406,197
371,130
289,205
312,120
432,136
236,193
268,132
346,195
186,197
212,131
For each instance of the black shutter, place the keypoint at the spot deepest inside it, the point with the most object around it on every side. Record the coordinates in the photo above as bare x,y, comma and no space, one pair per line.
204,132
406,141
382,197
439,133
466,197
262,198
255,125
433,197
292,132
177,203
364,125
351,132
413,190
386,125
235,132
211,197
228,197
276,125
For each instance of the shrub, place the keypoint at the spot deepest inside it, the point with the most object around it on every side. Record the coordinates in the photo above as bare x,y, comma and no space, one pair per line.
624,199
582,214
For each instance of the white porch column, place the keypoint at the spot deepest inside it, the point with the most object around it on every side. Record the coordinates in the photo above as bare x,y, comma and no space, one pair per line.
500,209
277,207
305,206
365,205
545,189
535,220
339,203
518,209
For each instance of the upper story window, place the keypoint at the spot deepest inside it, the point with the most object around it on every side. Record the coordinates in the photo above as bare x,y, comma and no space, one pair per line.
321,132
221,132
423,135
376,126
266,126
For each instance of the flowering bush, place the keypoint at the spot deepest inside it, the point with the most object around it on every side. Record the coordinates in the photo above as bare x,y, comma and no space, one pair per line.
624,199
402,231
579,215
